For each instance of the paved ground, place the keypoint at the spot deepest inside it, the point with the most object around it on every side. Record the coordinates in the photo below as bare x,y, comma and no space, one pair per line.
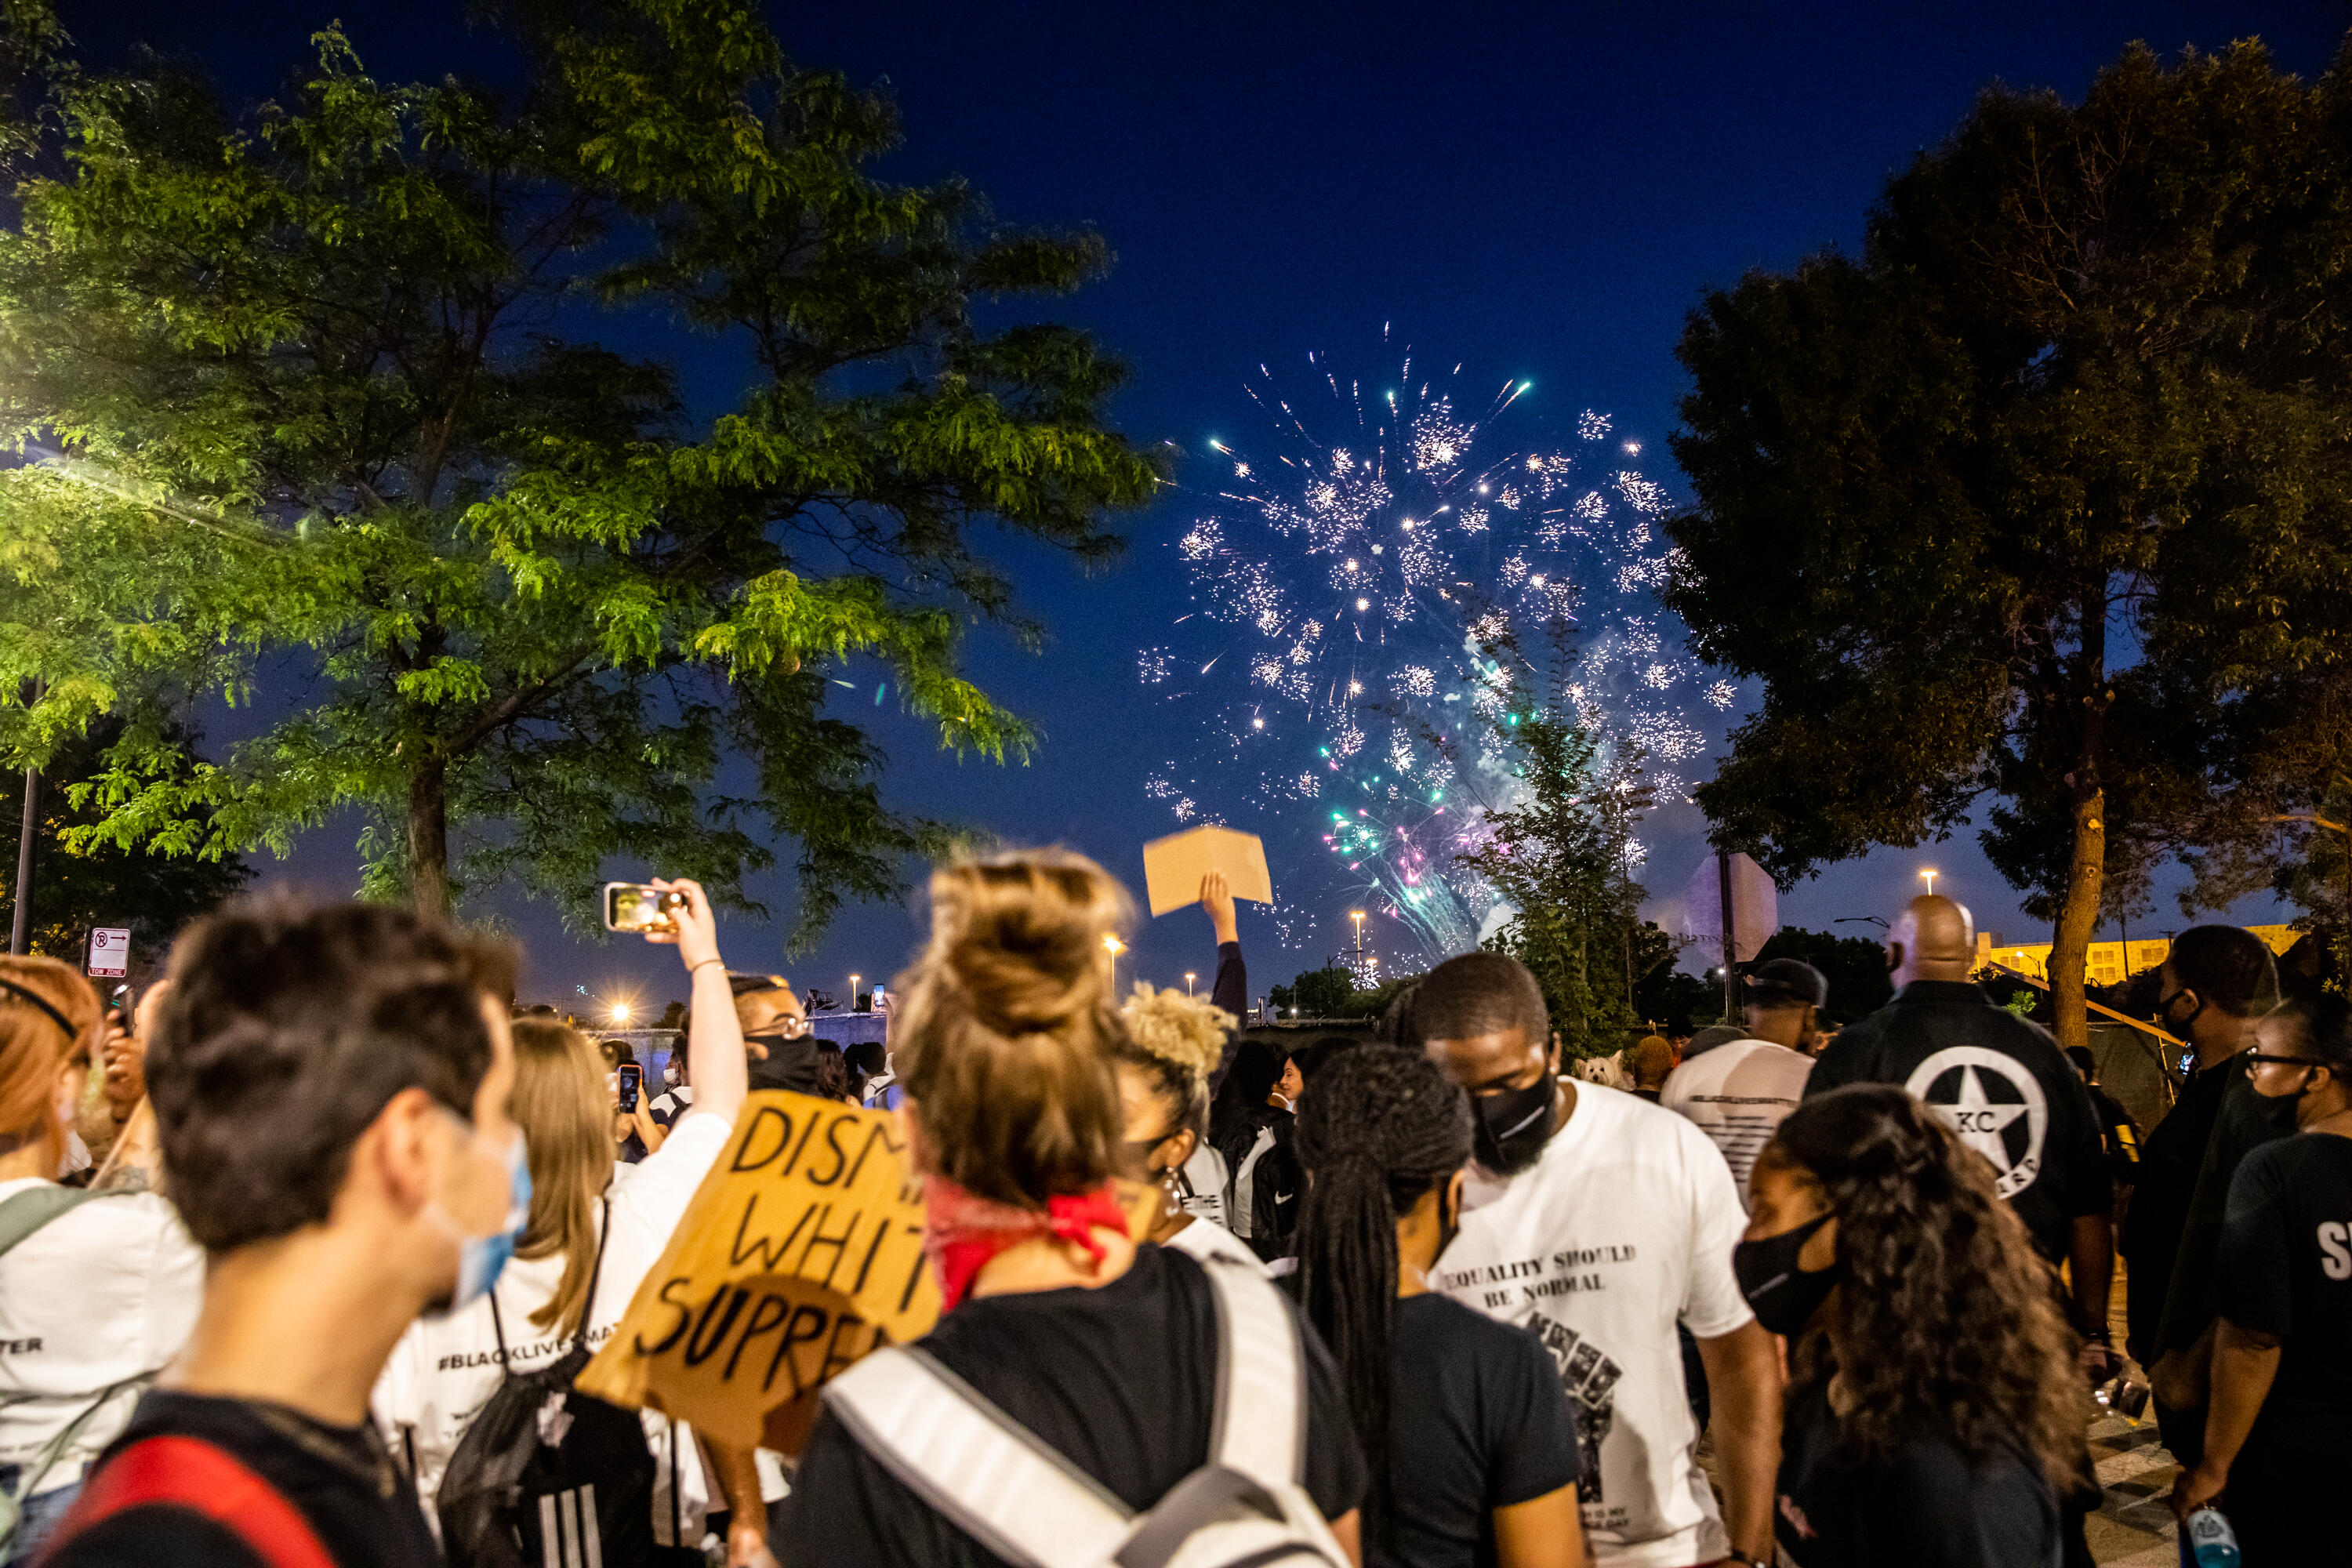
2134,1528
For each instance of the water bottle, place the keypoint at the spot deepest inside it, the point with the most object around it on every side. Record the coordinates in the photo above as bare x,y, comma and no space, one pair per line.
2210,1541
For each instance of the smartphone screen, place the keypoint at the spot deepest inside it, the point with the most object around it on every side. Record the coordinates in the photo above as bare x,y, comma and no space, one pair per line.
634,906
631,1076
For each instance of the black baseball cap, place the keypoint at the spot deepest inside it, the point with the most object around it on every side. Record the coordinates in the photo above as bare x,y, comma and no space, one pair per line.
1788,980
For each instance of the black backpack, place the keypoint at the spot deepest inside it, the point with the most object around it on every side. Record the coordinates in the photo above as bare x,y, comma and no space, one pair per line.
547,1474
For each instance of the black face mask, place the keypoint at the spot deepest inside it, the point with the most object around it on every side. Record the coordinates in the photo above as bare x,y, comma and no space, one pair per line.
1784,1296
1514,1125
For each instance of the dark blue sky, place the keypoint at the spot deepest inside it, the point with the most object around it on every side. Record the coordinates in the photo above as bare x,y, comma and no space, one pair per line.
1537,191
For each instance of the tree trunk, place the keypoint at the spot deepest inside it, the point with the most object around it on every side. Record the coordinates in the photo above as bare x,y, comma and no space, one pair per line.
2078,919
429,839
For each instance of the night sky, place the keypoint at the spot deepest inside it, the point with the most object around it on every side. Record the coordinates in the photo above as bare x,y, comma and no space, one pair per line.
1539,192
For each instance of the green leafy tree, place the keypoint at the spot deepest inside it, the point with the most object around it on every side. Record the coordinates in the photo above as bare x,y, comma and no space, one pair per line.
1559,853
324,426
2027,506
80,881
1317,993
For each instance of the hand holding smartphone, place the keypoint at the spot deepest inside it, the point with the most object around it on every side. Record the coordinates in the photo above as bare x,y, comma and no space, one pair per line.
641,907
631,1077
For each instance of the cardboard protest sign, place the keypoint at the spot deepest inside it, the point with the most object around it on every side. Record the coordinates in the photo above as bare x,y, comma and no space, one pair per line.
802,1251
1173,867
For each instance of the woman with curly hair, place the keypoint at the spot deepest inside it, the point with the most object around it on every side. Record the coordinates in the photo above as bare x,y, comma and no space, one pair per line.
1934,1415
1173,1043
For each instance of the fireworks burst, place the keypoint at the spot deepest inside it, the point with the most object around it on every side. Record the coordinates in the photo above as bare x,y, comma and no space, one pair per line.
1353,577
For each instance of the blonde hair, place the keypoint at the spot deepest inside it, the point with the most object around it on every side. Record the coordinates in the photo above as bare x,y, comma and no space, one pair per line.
1005,1034
559,1104
1177,1041
32,1049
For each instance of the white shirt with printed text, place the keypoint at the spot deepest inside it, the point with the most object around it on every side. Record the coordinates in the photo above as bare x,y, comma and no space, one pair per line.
103,1293
1738,1094
444,1370
1624,1227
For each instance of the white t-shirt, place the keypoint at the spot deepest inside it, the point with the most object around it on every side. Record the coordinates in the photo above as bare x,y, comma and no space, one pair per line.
1738,1094
1205,1239
103,1293
1624,1224
446,1369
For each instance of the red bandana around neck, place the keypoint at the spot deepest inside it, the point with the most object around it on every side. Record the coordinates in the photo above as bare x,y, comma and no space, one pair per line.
961,1231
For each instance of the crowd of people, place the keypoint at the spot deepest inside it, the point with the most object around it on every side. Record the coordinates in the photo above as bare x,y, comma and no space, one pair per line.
305,1277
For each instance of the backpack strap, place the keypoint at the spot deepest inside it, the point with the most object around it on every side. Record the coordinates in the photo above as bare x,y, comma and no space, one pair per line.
951,1447
1260,1424
190,1473
33,1207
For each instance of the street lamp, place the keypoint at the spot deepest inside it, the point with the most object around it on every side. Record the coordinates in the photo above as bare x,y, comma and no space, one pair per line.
1113,946
620,1013
853,994
1188,981
1931,882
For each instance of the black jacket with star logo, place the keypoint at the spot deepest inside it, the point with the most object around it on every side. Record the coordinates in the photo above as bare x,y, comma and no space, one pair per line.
1997,1079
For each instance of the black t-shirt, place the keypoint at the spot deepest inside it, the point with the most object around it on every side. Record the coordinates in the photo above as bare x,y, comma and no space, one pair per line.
1477,1421
1932,1505
1999,1080
2285,1268
1121,1381
2166,1181
362,1507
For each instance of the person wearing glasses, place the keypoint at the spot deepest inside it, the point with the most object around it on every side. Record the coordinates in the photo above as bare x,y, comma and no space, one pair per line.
2282,1343
776,1039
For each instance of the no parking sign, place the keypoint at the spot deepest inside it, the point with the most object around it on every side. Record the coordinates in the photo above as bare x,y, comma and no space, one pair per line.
110,953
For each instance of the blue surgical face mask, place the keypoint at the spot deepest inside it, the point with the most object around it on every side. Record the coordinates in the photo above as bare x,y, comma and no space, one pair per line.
482,1258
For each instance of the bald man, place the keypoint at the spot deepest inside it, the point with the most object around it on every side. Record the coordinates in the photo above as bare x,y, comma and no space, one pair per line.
1999,1081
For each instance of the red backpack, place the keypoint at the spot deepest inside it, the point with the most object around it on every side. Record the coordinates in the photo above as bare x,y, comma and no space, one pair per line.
190,1473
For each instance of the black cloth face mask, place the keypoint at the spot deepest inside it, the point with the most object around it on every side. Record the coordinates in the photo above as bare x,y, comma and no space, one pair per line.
1783,1295
1514,1125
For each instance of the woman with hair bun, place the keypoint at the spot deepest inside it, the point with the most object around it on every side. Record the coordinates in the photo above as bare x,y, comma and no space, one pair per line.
1101,1350
1172,1042
1471,1445
1936,1413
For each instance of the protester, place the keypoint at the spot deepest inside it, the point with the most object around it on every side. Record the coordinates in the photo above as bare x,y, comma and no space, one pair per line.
591,1221
2281,1363
1229,987
676,1096
1318,1053
2213,989
1738,1094
634,1131
832,1077
775,1033
329,1087
1251,1131
97,1293
1652,1063
122,1083
2118,1132
1603,1223
1468,1435
1169,1043
1103,1351
2000,1083
1933,1411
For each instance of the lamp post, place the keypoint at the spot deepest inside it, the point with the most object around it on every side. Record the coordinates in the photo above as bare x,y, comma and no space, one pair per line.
1188,981
1113,946
853,994
1931,882
21,928
620,1013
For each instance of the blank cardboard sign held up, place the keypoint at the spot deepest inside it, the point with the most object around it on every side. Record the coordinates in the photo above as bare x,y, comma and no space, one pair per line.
1173,867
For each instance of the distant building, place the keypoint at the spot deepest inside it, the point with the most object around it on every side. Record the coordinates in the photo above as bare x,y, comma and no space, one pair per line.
2107,963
